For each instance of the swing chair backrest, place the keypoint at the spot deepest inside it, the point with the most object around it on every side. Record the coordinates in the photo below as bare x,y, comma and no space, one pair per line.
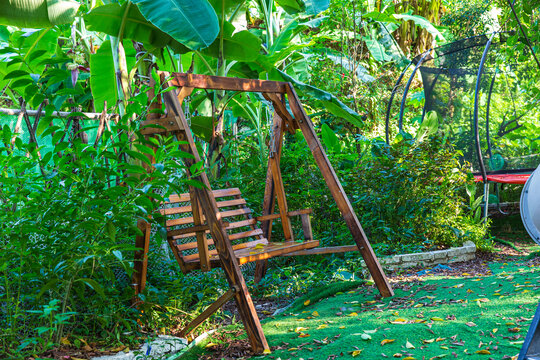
193,246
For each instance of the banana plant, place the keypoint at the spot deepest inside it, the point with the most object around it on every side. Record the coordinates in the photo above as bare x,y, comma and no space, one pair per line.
180,25
37,13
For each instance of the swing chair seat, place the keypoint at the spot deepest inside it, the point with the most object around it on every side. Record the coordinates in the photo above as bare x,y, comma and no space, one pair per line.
194,249
250,253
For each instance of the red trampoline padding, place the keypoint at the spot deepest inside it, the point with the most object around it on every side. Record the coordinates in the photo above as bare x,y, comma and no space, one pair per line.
505,178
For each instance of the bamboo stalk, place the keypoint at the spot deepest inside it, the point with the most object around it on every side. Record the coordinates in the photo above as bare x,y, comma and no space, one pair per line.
62,114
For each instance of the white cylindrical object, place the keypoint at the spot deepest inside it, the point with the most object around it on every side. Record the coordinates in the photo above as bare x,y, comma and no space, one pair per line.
530,205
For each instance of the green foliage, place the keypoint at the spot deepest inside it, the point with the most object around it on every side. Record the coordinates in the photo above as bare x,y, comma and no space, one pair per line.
109,18
468,18
37,13
411,193
68,219
194,23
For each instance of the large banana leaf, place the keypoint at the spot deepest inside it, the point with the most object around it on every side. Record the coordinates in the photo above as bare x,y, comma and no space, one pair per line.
37,13
292,6
381,43
290,30
422,22
310,7
203,127
193,23
240,46
331,104
228,5
108,19
343,60
314,7
103,77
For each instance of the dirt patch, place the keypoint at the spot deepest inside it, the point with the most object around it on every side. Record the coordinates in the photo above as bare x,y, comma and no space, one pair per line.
230,346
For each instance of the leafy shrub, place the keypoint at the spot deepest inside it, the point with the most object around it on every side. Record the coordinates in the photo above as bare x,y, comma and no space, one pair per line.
412,193
67,226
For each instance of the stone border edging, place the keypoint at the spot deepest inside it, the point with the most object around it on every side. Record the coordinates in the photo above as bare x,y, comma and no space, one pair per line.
447,256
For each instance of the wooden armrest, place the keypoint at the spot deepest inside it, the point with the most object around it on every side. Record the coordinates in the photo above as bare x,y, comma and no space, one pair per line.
300,212
304,215
290,213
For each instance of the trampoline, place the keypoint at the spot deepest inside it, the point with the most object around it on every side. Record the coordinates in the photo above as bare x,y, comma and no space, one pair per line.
477,88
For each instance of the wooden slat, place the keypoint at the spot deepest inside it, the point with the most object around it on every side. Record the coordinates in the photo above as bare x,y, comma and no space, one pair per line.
324,250
174,198
272,250
187,208
306,226
193,244
186,232
339,194
277,216
214,253
250,253
245,234
268,217
241,223
300,212
190,231
224,214
181,221
142,242
227,83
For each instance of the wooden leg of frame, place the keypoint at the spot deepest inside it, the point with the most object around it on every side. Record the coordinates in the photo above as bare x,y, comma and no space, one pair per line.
211,212
306,226
208,312
260,270
338,193
142,242
269,202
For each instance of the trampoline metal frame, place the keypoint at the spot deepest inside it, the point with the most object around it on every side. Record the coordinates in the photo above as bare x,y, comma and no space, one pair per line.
421,58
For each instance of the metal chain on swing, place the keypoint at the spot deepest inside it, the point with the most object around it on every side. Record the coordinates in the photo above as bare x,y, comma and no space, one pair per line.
187,113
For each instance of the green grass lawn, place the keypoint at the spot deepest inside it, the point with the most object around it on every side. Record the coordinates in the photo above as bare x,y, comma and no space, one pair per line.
472,317
454,317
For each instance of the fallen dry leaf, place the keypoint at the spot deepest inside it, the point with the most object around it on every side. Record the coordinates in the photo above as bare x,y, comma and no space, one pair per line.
483,352
355,353
387,341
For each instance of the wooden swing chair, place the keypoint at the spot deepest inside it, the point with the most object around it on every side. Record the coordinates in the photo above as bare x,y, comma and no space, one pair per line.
223,214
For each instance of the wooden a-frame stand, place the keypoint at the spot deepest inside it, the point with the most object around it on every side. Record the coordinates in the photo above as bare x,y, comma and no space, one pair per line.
204,202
